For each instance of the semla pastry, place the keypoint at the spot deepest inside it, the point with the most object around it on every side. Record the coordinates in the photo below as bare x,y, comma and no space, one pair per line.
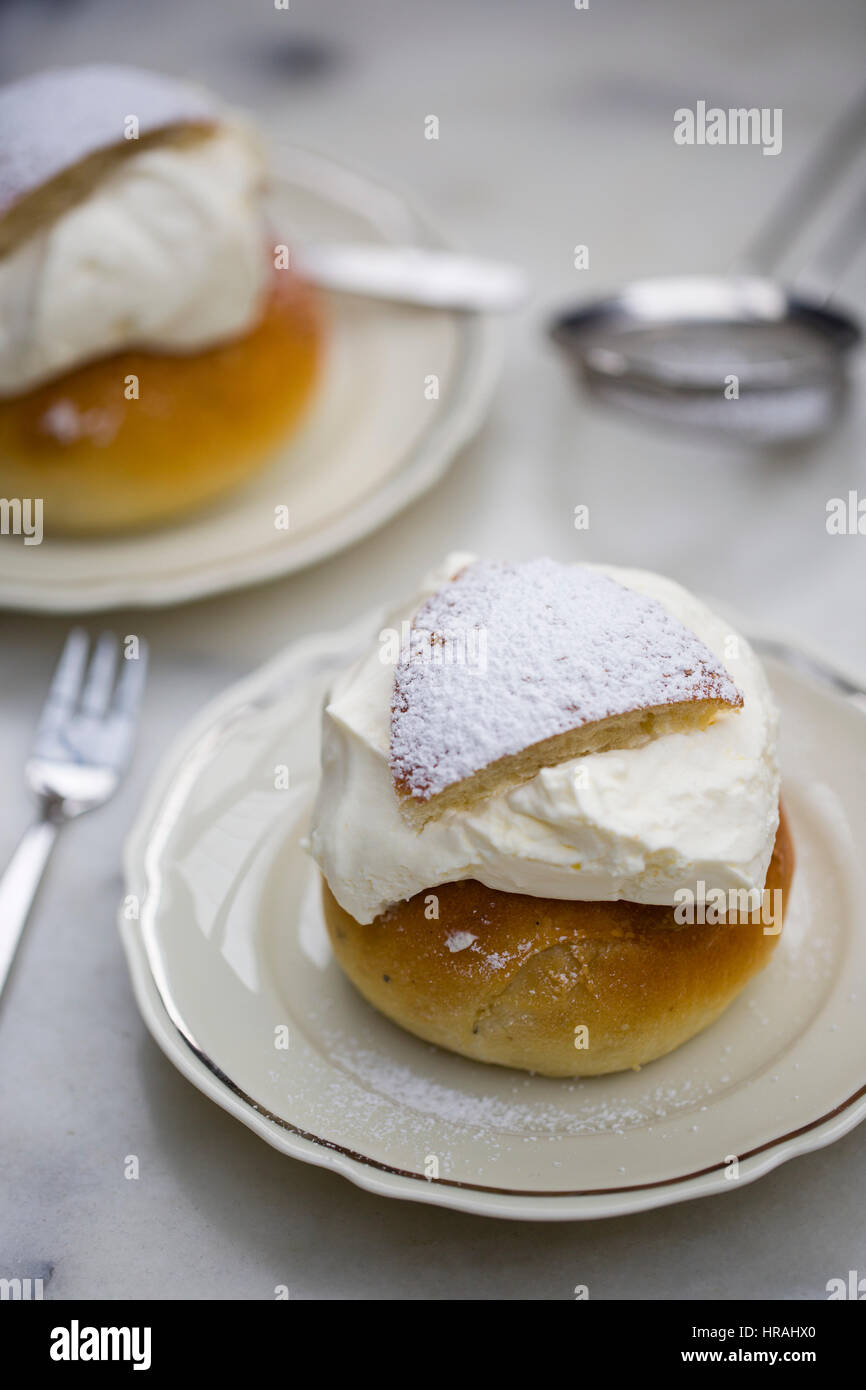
526,805
153,352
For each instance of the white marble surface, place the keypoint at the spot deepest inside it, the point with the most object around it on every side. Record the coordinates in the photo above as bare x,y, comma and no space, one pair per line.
555,128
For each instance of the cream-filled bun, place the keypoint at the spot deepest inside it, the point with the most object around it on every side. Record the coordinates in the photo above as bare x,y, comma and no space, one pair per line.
133,235
502,925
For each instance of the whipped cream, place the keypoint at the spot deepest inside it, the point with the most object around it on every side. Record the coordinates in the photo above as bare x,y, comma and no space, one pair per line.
167,252
637,824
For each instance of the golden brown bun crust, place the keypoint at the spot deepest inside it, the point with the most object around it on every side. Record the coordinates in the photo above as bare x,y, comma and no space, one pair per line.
203,422
541,967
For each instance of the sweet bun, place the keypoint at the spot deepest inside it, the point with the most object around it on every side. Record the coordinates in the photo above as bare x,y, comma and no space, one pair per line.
152,356
507,978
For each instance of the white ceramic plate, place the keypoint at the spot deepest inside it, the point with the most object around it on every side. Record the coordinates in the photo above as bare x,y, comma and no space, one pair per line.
371,443
230,946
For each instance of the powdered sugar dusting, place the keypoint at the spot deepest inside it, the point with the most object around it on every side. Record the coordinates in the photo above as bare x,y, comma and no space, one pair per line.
567,1109
459,940
52,120
564,646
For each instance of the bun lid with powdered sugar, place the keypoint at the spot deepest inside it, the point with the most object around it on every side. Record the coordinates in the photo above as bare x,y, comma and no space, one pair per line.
62,129
575,663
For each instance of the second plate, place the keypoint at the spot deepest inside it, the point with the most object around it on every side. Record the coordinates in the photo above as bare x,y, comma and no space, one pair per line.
371,444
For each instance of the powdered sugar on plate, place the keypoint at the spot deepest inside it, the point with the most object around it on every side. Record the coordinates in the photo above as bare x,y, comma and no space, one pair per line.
602,1109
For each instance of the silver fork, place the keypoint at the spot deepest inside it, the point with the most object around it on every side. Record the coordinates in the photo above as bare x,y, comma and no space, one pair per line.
82,746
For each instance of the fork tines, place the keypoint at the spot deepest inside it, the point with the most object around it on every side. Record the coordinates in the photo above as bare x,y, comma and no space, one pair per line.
90,698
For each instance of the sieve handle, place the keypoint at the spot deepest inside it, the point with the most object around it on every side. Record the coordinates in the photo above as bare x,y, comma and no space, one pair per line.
825,268
835,154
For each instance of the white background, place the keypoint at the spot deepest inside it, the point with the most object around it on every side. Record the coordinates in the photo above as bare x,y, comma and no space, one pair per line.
555,129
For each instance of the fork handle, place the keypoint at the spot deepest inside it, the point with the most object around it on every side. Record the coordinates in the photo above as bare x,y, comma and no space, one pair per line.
18,887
